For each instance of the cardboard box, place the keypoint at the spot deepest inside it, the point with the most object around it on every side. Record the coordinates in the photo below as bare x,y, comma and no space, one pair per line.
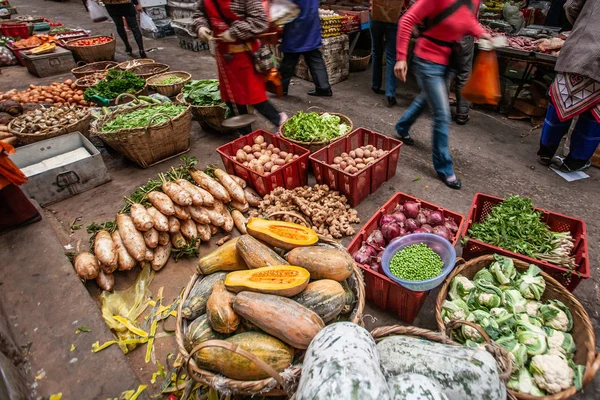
387,10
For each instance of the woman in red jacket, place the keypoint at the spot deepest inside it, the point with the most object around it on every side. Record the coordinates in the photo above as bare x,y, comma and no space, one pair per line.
446,22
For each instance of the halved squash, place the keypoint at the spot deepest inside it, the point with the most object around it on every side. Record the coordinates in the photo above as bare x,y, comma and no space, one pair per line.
281,280
284,235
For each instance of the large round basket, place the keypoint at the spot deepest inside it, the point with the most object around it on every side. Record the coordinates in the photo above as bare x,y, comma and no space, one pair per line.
359,61
151,144
169,89
583,332
92,68
127,65
90,54
83,126
210,117
279,384
316,146
127,97
90,80
148,70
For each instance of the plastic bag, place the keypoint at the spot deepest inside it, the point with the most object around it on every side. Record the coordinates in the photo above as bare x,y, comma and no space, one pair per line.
146,23
7,57
282,12
97,12
483,86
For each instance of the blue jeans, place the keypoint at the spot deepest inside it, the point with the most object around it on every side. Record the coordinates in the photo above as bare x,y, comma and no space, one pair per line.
432,79
384,32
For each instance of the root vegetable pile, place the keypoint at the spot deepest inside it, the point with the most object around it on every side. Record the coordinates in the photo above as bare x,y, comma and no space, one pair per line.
358,159
262,157
49,120
327,211
56,92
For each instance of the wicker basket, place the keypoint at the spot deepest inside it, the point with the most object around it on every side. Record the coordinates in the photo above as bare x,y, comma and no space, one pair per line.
210,117
93,68
148,70
277,385
128,97
583,332
170,89
127,65
148,145
90,80
90,54
359,61
83,126
316,146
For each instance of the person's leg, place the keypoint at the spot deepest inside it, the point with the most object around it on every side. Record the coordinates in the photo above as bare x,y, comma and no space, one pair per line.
116,13
462,76
267,110
413,111
318,71
131,18
377,37
390,62
552,133
287,68
584,141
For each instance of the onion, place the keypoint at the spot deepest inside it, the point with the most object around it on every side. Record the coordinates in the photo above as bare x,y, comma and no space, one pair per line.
420,230
399,217
411,225
376,240
390,231
426,212
426,228
443,232
399,208
386,219
364,254
451,225
411,209
376,262
421,219
435,218
403,232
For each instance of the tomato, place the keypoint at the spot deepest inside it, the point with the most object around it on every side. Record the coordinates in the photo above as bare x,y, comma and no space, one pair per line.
93,42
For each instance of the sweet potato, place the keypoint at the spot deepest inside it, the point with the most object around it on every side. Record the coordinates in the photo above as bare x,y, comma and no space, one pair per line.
239,220
216,218
203,232
242,207
199,214
125,261
239,181
188,229
162,202
208,183
178,240
163,238
161,256
140,217
149,256
236,192
252,197
174,225
214,229
86,265
177,194
209,199
160,220
105,281
197,196
151,238
229,223
105,251
131,237
182,213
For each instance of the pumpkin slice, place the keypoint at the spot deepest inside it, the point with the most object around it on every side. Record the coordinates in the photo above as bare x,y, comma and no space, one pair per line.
284,235
282,280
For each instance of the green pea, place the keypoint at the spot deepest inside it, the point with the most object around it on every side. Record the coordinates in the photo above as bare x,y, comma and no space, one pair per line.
416,263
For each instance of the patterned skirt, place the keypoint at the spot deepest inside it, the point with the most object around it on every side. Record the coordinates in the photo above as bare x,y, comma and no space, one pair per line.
573,94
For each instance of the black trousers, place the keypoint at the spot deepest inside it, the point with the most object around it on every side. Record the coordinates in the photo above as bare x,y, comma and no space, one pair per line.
462,72
266,109
316,66
117,12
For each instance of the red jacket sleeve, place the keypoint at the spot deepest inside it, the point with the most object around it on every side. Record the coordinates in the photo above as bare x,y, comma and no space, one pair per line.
415,14
476,28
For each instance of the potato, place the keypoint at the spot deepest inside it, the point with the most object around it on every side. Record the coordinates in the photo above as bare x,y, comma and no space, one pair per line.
131,237
257,154
125,261
276,150
268,166
247,149
264,147
105,251
359,152
268,153
161,256
275,168
279,162
361,166
369,160
295,157
260,169
163,238
270,147
255,147
245,163
344,155
353,170
352,154
259,139
343,165
274,157
288,158
337,160
151,238
366,153
105,281
264,159
359,160
348,168
240,155
283,154
351,162
250,157
86,265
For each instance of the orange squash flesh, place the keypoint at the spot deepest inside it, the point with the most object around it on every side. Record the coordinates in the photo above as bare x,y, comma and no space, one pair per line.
281,280
284,235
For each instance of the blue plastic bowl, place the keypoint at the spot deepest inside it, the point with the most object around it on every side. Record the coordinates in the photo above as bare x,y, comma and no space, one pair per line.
436,243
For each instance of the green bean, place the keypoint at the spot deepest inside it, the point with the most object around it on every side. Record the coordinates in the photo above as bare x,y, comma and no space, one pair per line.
416,263
140,118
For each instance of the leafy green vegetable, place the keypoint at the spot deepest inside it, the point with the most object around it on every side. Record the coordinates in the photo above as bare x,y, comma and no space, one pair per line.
314,127
141,117
170,80
117,82
202,93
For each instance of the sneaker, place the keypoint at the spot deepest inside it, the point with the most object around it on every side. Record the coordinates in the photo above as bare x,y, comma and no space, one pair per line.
461,119
574,167
282,118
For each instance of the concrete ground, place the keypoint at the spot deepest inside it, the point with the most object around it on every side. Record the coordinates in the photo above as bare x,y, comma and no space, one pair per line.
492,155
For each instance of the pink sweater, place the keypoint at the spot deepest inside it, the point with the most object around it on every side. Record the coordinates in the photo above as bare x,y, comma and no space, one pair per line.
463,22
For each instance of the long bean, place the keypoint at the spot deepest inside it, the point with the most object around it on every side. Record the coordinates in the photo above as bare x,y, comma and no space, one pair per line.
140,118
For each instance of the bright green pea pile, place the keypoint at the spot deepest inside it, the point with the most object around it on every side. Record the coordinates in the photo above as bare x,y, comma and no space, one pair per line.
416,263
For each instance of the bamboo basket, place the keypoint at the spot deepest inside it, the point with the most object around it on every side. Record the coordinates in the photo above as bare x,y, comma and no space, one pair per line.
359,61
316,146
583,332
127,65
152,144
90,54
92,68
83,126
210,117
278,384
148,70
130,96
170,89
90,80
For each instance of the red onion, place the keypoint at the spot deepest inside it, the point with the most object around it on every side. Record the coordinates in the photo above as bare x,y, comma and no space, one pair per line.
420,230
421,218
426,228
376,240
451,225
435,218
399,208
425,211
411,209
443,232
399,217
390,231
411,225
364,254
403,232
376,262
386,219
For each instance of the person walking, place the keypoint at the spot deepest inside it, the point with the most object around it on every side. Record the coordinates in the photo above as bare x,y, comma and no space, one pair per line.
446,22
128,9
302,37
575,92
235,25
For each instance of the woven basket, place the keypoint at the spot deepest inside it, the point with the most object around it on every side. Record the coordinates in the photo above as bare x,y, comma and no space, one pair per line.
127,65
90,54
359,61
171,89
149,145
316,146
128,96
90,80
210,117
277,385
83,126
148,70
583,332
88,69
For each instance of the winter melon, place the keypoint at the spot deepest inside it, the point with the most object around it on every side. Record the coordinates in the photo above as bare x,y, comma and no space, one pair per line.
342,363
415,387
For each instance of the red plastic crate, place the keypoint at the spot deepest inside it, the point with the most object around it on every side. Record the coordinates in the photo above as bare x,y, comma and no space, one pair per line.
289,176
15,30
356,187
381,290
482,205
17,51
